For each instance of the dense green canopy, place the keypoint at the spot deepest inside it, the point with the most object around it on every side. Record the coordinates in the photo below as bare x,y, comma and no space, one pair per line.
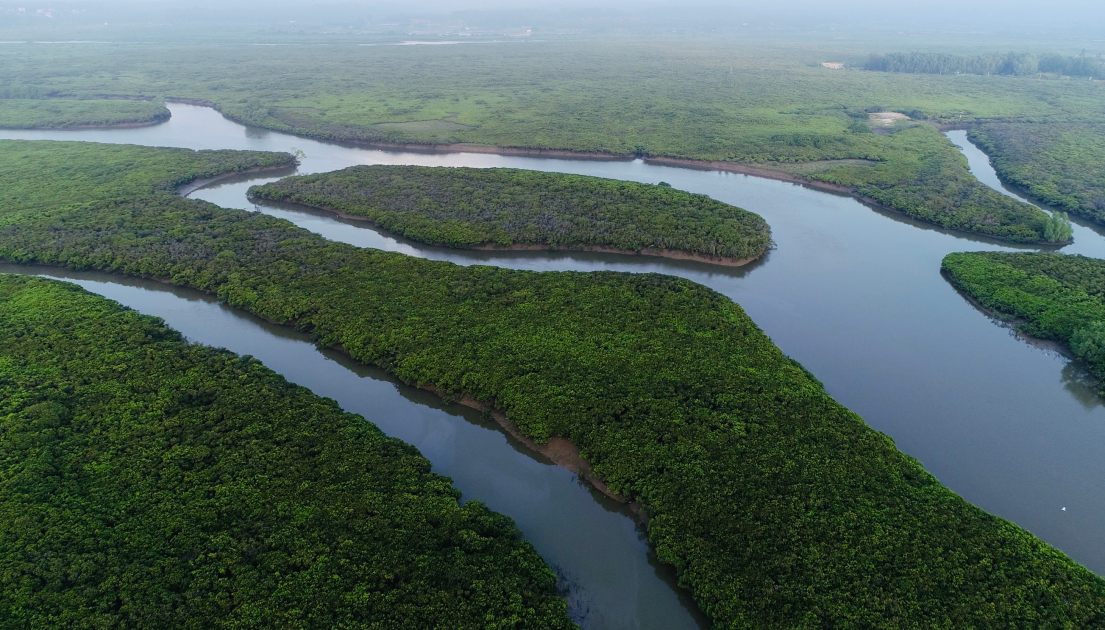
469,207
146,482
777,506
1050,296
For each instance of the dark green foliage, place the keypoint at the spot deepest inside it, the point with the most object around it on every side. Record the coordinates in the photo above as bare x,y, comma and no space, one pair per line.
53,113
80,172
1050,296
469,207
146,482
1010,63
777,506
1060,163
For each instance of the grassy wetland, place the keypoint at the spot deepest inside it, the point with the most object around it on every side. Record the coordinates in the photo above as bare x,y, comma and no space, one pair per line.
776,505
468,207
78,114
765,107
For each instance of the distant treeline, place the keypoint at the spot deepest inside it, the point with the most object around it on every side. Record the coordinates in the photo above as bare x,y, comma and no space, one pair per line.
1009,63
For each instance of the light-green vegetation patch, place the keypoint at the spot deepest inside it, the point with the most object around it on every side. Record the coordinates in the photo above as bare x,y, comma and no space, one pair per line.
1060,164
80,172
705,100
777,506
470,207
1048,296
152,483
65,113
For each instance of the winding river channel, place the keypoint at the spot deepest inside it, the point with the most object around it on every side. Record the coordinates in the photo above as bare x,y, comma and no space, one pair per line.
853,293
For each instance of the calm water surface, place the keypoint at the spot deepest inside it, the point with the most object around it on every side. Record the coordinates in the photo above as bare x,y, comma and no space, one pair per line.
612,577
853,293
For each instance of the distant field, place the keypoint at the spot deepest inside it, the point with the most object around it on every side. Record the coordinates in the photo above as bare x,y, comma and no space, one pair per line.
768,105
53,113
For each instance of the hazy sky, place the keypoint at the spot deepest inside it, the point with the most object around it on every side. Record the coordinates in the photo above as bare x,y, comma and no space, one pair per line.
1084,16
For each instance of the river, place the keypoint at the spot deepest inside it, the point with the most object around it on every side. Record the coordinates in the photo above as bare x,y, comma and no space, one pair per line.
855,294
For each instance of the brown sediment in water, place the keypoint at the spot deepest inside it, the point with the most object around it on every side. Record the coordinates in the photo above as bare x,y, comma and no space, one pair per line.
560,450
676,254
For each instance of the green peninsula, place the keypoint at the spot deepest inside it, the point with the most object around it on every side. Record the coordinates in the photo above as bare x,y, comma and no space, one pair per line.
1048,296
472,207
153,483
77,114
1061,164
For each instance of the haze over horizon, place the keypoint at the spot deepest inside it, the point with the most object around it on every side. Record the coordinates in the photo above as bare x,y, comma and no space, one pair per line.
591,16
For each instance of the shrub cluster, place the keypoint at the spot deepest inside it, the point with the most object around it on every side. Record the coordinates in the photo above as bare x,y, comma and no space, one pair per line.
1060,163
929,180
61,113
1012,63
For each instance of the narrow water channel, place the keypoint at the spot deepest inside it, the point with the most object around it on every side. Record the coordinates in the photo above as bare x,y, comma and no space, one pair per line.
612,578
1088,239
853,293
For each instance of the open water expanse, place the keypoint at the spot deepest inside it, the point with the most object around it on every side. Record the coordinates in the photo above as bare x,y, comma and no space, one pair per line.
853,293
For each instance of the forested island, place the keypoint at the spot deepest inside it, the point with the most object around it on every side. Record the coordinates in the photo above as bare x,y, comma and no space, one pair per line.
154,483
762,110
776,505
59,113
474,207
1047,296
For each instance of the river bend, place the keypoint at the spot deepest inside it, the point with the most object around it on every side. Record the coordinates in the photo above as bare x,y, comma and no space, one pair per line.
854,294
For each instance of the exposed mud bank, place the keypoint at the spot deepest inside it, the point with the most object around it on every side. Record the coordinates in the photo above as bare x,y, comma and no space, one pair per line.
560,450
